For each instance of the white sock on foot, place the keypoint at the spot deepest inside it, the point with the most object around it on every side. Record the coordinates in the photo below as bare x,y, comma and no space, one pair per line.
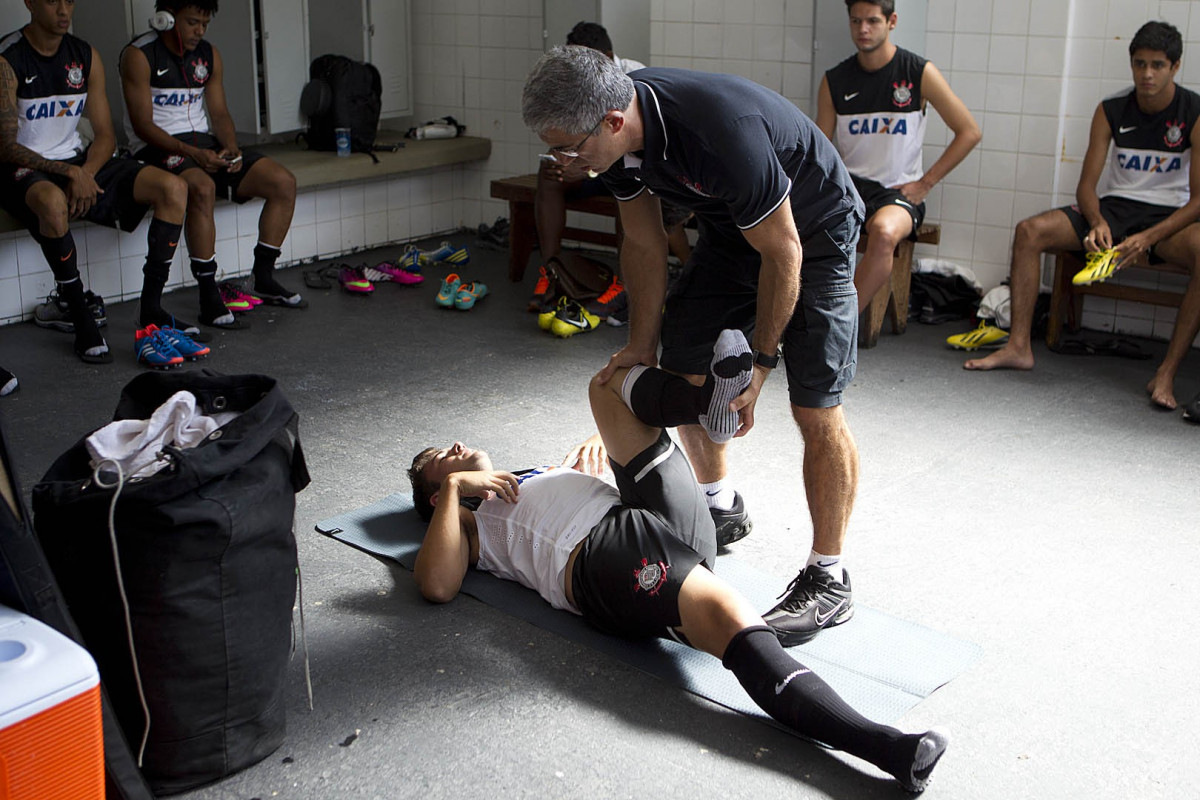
718,495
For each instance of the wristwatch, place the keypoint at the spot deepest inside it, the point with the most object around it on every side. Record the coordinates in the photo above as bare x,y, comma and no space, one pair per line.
768,360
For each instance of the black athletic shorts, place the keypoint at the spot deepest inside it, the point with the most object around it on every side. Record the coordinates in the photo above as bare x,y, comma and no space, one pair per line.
875,196
718,289
1125,217
227,182
627,575
115,208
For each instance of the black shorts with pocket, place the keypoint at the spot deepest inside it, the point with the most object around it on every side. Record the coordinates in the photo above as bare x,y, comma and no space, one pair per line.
227,182
115,208
1125,217
875,196
718,289
628,573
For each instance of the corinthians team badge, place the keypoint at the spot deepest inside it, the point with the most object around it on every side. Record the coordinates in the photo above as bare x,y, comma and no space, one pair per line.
200,70
75,75
1174,136
650,577
902,93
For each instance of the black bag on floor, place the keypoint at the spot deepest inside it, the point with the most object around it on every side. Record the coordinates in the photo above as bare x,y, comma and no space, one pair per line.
208,559
341,93
935,298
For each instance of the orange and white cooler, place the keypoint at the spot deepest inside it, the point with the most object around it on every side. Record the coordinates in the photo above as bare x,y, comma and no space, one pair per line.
51,740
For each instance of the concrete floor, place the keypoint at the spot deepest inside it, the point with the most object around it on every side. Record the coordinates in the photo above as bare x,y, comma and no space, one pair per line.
1050,516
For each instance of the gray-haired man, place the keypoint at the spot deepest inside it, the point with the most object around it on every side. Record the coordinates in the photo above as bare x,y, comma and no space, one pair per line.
769,192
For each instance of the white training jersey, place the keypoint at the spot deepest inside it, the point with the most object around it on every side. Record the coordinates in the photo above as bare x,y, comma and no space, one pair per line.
1150,157
880,118
177,85
52,94
530,541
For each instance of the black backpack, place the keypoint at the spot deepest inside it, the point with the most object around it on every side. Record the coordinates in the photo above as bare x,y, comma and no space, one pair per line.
341,93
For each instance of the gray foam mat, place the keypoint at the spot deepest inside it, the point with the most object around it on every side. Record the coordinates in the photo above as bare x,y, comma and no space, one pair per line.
880,664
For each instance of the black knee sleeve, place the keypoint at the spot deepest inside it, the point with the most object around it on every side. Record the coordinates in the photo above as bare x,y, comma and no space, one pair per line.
663,400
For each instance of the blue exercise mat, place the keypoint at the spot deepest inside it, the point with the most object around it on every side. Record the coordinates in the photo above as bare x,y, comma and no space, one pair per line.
881,665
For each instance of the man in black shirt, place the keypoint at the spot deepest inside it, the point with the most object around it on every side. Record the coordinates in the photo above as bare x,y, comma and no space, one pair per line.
768,191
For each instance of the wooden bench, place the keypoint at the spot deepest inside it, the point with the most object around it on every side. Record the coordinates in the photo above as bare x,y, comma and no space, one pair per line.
891,301
1066,299
522,229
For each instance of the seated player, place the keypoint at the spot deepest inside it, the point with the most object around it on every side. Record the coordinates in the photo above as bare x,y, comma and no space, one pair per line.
635,561
48,80
177,119
1149,205
874,104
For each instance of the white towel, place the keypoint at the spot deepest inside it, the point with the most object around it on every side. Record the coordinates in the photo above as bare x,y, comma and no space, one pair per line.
136,443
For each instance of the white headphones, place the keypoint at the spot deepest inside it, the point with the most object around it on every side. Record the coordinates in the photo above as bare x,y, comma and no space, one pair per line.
162,21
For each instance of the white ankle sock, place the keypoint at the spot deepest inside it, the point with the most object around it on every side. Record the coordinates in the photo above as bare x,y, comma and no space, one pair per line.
831,564
718,495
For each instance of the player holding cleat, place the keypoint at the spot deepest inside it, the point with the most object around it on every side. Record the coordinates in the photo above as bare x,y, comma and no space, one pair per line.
1149,205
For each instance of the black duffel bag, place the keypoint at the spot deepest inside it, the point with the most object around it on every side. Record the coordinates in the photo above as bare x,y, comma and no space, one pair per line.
208,559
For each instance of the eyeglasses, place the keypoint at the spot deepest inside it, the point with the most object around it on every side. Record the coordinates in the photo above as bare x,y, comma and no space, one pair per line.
573,151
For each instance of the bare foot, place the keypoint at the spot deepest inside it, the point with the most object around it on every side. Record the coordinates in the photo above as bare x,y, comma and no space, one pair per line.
1162,391
1005,358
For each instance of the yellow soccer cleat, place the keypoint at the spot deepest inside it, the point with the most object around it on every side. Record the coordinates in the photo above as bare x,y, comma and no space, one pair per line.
571,319
986,336
1100,267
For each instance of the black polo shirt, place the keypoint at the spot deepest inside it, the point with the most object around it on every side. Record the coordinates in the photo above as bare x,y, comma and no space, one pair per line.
732,151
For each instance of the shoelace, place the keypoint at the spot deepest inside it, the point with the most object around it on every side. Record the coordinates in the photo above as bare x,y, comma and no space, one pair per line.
795,592
614,289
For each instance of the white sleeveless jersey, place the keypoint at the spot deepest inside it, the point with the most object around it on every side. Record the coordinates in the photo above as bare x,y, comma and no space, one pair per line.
531,540
52,94
1150,157
176,87
880,118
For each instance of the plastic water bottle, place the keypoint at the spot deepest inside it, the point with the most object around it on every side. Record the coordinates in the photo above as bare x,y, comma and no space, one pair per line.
342,135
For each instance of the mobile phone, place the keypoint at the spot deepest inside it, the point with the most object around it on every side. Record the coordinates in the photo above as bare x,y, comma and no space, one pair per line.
234,160
547,157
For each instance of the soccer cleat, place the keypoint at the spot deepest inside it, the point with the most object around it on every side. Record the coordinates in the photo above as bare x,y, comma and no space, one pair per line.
448,291
387,271
1099,266
812,602
618,315
612,298
468,294
354,281
930,749
447,254
234,298
192,351
8,382
986,336
543,290
572,318
547,312
55,314
733,524
411,260
154,349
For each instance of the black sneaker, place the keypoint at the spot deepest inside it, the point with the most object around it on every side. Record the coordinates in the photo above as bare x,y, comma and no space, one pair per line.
8,382
732,525
1191,412
55,314
812,602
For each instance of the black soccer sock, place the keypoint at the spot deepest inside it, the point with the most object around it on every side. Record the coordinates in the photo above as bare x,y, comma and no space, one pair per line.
212,307
663,400
61,256
265,257
161,242
792,694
